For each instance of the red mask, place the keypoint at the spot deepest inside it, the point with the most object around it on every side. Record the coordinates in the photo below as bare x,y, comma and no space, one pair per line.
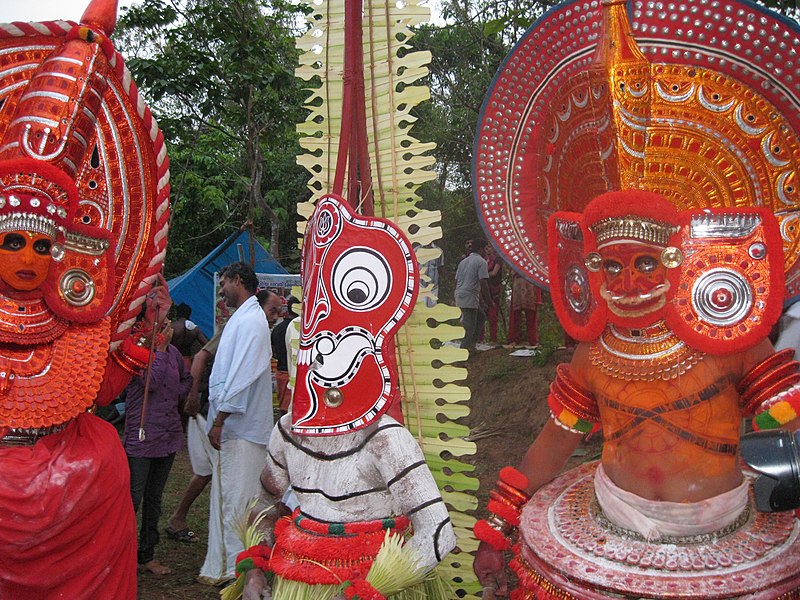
635,280
360,282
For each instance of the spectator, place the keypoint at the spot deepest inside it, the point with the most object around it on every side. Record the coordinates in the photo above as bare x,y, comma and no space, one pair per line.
201,454
150,456
186,336
495,266
525,300
279,351
239,416
472,292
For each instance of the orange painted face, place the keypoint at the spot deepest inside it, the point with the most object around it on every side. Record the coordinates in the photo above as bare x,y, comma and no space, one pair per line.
635,280
24,259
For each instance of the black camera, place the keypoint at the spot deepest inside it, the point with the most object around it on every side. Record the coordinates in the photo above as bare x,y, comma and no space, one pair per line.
775,455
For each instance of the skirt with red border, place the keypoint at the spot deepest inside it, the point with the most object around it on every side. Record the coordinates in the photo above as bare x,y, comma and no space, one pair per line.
314,552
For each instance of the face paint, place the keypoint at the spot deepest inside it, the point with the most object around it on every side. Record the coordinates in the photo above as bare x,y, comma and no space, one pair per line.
360,280
635,280
24,259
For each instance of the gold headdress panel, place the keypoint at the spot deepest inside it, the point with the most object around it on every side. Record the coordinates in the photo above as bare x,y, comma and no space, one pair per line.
698,102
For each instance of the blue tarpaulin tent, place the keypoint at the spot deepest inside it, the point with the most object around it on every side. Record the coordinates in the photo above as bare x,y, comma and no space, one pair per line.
195,287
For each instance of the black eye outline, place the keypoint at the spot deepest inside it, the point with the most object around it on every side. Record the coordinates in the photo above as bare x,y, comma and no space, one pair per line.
13,242
42,246
645,264
612,267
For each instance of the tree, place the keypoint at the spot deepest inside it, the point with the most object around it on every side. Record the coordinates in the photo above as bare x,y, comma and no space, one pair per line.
220,77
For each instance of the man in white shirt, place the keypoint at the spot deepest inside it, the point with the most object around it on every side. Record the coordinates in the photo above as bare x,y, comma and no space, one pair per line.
239,416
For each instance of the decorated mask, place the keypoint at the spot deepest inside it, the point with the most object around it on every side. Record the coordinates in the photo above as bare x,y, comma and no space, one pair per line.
632,259
84,210
360,281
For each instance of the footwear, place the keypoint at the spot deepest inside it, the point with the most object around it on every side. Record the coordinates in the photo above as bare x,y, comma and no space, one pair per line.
185,535
220,583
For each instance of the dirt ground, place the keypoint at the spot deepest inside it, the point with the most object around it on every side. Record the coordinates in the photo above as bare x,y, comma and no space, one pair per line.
508,408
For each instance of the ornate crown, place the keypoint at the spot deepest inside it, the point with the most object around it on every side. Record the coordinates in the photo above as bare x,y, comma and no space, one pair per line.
633,227
700,107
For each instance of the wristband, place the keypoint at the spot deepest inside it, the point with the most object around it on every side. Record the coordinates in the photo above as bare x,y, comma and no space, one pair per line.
495,538
505,506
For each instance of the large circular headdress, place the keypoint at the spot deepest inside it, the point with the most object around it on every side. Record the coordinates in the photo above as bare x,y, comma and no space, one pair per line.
696,101
69,111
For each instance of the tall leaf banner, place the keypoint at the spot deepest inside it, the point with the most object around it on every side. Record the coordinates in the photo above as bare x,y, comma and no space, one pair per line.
399,164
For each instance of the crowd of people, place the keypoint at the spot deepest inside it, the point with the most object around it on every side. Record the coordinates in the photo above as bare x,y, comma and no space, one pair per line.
217,394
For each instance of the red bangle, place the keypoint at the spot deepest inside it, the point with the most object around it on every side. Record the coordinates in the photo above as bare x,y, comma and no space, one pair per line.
505,512
486,533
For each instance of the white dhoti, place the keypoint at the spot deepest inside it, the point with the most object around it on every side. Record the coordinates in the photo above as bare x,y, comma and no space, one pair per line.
653,519
202,454
234,483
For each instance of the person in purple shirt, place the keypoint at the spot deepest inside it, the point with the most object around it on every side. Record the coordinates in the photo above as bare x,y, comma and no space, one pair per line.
150,459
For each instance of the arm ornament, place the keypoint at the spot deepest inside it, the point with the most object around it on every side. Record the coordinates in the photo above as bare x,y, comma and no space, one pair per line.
134,350
505,504
255,557
571,405
132,354
771,391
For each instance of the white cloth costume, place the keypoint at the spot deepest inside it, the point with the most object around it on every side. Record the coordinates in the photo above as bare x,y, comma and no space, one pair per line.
373,473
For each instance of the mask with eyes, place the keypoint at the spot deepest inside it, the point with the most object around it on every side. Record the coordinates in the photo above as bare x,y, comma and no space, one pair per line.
360,282
632,259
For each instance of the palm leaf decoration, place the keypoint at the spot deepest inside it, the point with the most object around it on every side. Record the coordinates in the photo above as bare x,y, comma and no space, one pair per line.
357,143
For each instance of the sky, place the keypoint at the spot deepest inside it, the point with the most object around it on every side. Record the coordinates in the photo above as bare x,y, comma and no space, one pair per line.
46,10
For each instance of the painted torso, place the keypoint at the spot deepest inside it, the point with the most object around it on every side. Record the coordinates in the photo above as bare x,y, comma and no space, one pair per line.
673,438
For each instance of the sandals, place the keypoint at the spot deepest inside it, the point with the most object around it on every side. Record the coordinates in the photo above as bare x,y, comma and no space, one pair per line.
185,535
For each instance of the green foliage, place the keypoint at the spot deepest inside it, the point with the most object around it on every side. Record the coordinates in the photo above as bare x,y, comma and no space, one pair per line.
466,54
219,76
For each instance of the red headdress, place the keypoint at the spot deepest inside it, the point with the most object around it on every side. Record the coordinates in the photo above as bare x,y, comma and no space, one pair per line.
83,162
691,109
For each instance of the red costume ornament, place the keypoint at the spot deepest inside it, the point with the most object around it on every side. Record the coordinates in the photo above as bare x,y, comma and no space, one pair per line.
83,224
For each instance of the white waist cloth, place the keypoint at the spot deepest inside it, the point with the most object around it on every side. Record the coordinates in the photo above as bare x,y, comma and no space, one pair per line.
653,519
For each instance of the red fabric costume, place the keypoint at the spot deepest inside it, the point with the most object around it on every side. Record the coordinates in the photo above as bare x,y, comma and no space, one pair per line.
83,222
68,525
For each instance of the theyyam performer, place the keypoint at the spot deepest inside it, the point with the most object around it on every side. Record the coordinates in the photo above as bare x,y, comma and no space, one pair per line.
83,223
359,476
646,174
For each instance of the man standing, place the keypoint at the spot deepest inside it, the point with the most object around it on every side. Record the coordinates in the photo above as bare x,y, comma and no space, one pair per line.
239,417
472,292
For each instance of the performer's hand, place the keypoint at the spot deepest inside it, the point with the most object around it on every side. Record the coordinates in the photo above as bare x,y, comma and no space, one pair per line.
158,302
255,584
489,566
